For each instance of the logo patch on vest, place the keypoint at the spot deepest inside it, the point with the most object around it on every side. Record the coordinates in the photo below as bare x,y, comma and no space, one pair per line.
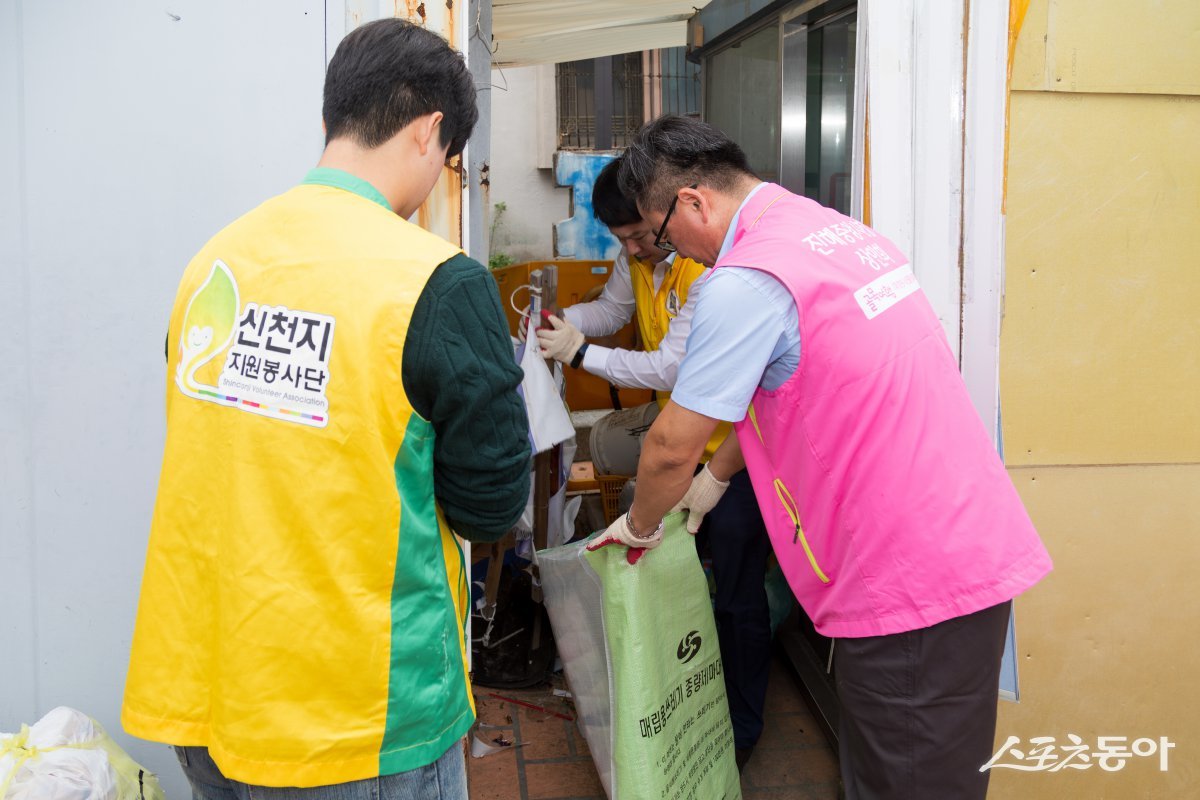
274,360
885,291
673,303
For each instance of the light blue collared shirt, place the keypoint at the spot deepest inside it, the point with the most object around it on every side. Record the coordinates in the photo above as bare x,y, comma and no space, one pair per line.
745,334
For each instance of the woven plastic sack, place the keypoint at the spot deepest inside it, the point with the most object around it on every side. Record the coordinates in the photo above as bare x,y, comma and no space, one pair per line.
639,646
66,755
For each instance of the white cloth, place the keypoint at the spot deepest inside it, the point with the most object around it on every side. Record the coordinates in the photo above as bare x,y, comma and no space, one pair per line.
549,421
611,311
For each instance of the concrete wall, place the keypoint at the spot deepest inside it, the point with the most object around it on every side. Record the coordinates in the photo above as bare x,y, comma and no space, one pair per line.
128,136
523,125
1100,379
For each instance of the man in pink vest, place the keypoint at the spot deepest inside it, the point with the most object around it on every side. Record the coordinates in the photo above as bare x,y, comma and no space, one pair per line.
890,512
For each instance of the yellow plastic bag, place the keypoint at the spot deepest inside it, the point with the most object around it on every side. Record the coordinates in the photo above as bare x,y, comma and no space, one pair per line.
66,755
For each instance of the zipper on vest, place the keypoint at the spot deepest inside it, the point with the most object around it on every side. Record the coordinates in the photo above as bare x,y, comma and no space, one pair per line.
789,505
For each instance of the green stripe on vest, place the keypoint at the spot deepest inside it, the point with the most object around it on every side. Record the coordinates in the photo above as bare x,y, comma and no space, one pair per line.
428,689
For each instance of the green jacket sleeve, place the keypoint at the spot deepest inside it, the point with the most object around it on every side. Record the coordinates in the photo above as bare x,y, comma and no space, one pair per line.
460,374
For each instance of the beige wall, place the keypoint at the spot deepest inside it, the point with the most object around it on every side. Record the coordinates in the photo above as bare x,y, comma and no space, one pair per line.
1100,380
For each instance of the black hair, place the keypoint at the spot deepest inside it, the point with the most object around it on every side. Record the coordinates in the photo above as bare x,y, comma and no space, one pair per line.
390,72
610,205
672,152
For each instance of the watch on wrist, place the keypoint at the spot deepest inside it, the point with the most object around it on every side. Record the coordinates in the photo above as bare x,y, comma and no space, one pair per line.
578,359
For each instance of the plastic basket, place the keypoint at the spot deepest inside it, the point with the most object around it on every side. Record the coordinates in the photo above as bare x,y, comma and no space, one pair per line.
610,495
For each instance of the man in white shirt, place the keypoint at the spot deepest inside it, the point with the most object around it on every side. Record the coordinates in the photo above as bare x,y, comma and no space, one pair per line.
640,270
660,289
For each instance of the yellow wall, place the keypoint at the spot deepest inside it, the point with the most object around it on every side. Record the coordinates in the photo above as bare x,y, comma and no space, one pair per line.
1100,380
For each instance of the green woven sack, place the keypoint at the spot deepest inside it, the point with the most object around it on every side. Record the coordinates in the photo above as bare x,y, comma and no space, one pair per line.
639,646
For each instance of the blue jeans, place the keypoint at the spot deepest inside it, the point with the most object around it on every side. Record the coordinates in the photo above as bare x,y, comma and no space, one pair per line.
444,779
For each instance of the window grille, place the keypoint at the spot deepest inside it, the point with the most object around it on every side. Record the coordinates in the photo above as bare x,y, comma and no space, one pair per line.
602,102
680,81
599,102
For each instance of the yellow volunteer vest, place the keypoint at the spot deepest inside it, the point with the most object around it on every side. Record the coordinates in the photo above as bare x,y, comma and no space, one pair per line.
655,310
303,602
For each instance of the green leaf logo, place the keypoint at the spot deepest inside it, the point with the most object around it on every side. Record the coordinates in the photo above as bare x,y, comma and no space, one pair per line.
208,326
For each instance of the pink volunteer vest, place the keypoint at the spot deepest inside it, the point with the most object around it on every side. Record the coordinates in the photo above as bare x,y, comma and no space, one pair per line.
887,505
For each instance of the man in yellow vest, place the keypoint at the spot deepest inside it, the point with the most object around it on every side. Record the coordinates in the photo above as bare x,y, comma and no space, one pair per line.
340,399
660,289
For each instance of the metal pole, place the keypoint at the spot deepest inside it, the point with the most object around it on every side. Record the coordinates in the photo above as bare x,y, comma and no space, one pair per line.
545,465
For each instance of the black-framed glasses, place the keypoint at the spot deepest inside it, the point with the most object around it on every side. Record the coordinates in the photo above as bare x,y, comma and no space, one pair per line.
660,242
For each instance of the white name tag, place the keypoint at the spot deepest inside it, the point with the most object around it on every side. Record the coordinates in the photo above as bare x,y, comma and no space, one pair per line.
885,291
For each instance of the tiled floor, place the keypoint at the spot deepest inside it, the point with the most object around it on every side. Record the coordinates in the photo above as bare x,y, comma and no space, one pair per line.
792,760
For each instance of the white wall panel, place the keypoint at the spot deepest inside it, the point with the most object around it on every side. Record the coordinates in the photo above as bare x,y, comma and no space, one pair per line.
17,626
138,129
890,108
983,206
915,98
936,174
938,156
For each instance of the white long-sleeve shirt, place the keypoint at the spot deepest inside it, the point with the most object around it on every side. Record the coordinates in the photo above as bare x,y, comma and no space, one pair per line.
615,307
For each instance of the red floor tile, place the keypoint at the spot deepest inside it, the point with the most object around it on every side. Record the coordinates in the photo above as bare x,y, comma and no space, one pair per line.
573,779
791,762
494,777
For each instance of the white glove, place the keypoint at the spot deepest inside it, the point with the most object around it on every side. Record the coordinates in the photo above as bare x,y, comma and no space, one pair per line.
562,342
622,532
701,497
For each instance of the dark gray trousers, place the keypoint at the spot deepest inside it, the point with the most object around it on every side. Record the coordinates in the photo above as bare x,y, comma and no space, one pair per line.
918,709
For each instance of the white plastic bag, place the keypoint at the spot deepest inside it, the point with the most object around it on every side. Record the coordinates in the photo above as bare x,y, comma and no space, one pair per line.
549,422
563,510
66,755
